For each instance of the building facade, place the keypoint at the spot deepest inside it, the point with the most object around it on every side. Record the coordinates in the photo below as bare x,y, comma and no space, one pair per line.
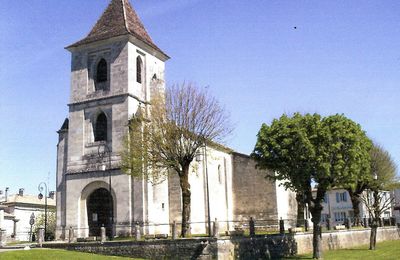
337,204
396,205
114,71
16,211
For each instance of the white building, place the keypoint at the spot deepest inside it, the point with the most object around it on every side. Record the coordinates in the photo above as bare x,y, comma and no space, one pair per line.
338,205
114,70
16,211
396,205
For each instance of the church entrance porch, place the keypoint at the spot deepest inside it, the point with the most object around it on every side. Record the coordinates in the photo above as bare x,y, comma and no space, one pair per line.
100,212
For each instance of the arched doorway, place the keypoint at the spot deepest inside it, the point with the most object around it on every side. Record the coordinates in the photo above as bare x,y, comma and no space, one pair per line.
100,211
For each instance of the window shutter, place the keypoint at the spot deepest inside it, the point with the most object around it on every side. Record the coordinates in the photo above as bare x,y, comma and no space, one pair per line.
337,197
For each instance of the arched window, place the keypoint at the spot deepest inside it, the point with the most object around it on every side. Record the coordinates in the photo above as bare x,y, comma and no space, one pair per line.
100,130
101,72
139,69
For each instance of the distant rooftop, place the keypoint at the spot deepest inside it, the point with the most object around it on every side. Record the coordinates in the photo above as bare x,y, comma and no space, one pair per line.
27,199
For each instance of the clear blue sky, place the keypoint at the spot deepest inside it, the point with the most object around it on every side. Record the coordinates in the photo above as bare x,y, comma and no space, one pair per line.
344,57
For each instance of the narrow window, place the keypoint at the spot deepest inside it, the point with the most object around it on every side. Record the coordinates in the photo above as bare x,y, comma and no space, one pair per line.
139,69
101,72
219,174
100,131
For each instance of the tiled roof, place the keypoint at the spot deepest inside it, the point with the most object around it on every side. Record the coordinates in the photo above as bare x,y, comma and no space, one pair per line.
118,19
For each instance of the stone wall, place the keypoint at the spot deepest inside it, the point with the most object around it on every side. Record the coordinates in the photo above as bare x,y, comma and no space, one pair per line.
62,149
259,247
345,239
153,249
253,195
237,248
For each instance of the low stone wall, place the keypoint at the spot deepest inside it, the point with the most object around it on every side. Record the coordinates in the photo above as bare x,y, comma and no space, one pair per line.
345,239
150,249
258,247
261,247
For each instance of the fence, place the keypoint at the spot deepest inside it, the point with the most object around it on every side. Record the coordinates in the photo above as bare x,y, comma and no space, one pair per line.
173,230
244,227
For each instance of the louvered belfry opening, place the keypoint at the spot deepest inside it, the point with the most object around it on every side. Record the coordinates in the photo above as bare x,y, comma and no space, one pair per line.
139,69
100,131
101,72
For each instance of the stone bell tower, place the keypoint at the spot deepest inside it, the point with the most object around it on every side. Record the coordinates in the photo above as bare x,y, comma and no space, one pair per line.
113,71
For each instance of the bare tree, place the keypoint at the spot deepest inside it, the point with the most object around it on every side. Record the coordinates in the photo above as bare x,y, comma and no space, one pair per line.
165,136
376,203
383,170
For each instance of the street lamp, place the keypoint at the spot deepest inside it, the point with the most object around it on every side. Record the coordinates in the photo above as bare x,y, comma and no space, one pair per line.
198,158
42,186
32,222
103,168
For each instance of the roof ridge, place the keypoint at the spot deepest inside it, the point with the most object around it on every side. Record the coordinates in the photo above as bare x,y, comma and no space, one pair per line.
125,19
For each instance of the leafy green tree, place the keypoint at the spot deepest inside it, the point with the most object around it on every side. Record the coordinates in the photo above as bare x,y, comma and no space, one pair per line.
310,151
383,170
165,136
51,224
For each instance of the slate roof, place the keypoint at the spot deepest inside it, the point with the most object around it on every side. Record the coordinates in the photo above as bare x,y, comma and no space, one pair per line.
65,125
118,19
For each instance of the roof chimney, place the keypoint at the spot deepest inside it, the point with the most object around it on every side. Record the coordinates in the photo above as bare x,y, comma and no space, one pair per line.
21,192
6,194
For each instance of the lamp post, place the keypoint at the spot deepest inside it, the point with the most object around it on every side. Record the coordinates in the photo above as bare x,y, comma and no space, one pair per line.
207,187
31,223
103,168
376,199
42,186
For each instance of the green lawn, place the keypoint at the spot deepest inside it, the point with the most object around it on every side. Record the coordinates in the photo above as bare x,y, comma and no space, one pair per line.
385,250
51,254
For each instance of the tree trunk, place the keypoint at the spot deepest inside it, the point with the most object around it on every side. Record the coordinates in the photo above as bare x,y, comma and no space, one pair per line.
316,220
375,219
372,240
185,187
300,210
355,200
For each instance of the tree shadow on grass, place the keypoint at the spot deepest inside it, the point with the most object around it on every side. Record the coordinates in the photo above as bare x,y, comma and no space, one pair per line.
356,249
298,257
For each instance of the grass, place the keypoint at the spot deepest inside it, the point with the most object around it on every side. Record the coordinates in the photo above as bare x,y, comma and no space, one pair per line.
51,254
385,250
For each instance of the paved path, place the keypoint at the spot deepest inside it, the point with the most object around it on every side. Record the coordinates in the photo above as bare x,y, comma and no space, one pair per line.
12,248
9,249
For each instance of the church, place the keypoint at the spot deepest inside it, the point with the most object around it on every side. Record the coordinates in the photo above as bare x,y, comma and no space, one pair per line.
113,72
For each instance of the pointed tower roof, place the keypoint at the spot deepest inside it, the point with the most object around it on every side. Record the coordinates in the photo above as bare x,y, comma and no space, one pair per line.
118,19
